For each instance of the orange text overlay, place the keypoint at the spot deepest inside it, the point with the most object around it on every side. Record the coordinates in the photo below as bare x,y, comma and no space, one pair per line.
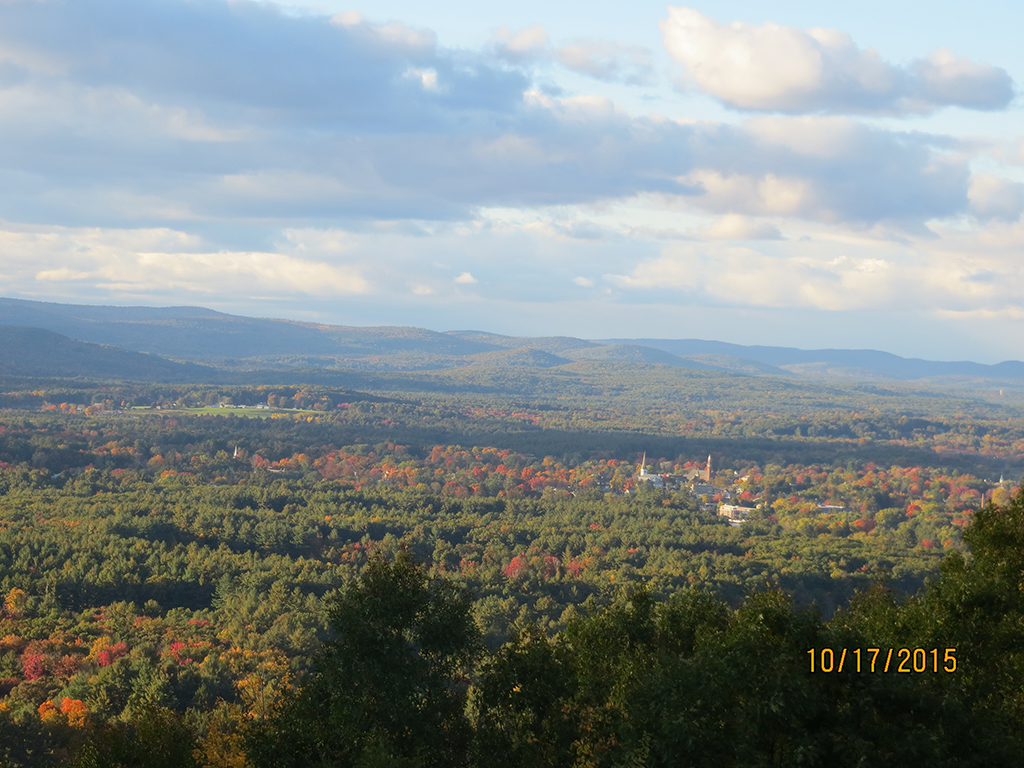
882,660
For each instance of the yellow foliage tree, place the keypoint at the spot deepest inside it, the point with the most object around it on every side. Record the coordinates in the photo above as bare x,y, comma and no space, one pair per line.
223,745
15,602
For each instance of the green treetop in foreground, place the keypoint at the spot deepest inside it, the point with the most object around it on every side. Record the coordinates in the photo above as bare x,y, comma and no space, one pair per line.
389,689
685,682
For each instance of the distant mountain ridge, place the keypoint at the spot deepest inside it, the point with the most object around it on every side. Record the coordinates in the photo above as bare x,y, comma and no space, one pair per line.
37,352
196,333
837,362
211,340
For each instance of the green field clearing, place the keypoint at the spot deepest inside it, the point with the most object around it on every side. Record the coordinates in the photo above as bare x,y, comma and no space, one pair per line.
251,413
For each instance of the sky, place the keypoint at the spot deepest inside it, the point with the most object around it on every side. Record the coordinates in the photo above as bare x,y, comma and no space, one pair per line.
793,174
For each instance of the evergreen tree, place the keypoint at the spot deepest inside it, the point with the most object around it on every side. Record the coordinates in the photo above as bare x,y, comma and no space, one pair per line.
390,687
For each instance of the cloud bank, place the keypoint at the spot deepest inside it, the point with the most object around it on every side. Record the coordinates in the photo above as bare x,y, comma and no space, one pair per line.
188,113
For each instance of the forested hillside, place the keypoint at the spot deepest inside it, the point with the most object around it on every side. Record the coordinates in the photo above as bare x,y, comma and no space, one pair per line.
188,575
372,507
34,352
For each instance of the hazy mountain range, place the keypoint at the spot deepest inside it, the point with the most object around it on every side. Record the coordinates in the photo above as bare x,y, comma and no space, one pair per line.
197,344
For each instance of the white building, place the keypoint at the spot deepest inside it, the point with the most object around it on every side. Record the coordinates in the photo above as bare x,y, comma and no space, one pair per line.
644,476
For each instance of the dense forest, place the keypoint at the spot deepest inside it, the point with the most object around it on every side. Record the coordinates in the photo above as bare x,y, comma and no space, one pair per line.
339,577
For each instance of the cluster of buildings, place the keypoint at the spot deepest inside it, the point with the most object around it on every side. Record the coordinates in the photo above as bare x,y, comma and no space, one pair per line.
698,482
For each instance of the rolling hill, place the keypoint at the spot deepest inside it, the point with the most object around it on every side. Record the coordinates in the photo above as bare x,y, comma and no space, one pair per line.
37,352
843,363
239,344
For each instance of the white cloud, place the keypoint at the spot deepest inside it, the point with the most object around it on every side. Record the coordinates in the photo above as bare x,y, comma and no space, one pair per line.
764,194
608,61
465,279
816,138
954,270
584,282
347,18
152,260
747,277
317,241
393,34
736,227
785,69
426,77
945,78
828,169
524,45
210,272
602,60
995,198
62,274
